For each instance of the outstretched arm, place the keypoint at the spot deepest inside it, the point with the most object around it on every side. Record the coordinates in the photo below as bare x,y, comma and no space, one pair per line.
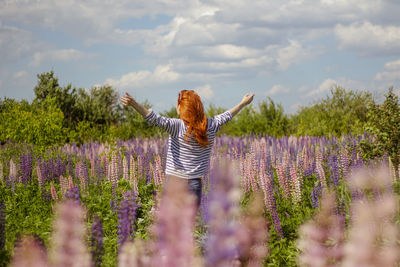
128,100
245,101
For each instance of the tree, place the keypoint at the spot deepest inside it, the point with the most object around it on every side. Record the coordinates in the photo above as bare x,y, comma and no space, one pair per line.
384,125
341,112
65,98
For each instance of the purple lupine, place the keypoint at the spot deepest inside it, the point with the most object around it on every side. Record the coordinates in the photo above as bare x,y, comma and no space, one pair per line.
269,198
73,194
96,241
221,243
175,244
2,225
26,167
68,246
315,195
334,170
126,218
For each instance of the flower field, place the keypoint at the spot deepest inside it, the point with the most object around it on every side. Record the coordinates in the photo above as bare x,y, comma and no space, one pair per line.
306,201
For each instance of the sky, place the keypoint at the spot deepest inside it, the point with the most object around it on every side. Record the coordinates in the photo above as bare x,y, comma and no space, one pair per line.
291,51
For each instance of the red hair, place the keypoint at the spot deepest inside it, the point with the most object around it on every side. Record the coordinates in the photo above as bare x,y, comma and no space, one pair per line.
191,111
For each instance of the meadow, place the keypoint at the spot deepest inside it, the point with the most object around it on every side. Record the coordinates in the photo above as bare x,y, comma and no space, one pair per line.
267,201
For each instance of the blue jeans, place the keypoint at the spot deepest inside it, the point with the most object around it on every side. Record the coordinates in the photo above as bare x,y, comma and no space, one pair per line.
195,187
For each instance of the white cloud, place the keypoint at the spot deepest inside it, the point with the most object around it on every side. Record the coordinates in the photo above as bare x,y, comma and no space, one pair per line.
277,89
205,91
16,44
367,38
162,74
391,72
322,88
59,55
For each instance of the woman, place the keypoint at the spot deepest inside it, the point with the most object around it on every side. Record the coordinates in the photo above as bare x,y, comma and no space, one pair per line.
190,138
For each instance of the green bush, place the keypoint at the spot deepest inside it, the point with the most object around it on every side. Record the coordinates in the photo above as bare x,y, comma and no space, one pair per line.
37,123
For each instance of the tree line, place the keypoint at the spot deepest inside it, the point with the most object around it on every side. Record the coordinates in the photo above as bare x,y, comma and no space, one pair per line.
60,114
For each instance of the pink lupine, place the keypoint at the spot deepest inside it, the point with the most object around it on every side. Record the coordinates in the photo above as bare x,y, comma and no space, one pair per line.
63,185
175,245
70,182
28,252
132,175
283,181
321,174
321,239
374,233
253,234
136,253
158,170
39,176
53,192
296,190
68,239
124,169
92,166
344,163
1,173
13,174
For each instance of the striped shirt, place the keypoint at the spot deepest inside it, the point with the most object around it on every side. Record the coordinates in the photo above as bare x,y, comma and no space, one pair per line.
187,159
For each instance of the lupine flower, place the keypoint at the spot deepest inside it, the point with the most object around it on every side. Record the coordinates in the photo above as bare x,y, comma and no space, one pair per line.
29,252
296,191
175,245
344,163
283,182
114,179
374,234
13,175
63,185
132,176
134,254
92,166
221,243
1,173
96,241
53,192
315,195
320,171
124,169
68,246
26,167
73,194
2,225
253,235
321,239
269,198
126,218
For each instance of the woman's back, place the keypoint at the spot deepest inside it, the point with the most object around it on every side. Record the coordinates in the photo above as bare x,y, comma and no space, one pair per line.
186,158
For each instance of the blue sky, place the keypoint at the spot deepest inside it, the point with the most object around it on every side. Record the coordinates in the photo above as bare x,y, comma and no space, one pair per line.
292,51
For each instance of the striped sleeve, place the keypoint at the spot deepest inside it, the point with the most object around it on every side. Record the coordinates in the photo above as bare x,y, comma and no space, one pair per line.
168,124
221,119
